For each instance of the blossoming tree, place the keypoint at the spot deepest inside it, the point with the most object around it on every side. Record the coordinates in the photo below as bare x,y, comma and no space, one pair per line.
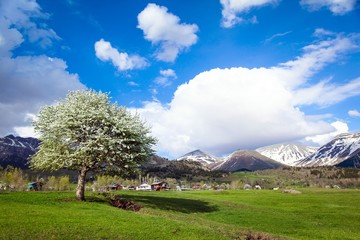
86,132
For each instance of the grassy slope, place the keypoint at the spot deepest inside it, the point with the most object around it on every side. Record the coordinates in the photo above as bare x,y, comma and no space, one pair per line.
45,215
315,214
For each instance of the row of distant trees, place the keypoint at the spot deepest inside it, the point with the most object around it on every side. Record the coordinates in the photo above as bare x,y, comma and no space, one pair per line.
14,179
322,177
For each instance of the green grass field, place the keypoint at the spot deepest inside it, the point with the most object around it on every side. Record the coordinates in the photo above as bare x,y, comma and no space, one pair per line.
314,214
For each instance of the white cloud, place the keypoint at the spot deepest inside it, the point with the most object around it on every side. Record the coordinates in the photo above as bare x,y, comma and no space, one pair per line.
222,110
134,84
17,15
121,60
168,73
317,55
165,77
162,81
277,35
320,32
164,29
354,113
232,8
27,131
28,82
340,127
337,7
330,93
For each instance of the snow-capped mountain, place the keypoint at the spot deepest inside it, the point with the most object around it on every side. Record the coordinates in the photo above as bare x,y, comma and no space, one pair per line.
199,156
287,154
342,151
245,160
15,151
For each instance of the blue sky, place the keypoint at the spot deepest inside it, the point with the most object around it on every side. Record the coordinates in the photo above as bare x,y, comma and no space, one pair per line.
218,75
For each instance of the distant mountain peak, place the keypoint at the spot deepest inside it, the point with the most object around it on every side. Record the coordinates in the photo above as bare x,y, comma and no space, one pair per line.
249,160
199,156
287,153
343,151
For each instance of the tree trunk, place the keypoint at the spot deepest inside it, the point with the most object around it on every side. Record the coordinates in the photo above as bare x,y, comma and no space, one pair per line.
80,189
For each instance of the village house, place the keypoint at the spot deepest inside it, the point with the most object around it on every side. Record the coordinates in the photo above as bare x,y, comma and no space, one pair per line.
160,186
144,187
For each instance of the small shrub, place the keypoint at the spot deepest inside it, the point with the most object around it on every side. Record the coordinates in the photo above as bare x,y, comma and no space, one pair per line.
64,183
117,201
236,185
52,183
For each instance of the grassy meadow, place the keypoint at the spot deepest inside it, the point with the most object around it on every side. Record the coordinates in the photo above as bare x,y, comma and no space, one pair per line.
314,214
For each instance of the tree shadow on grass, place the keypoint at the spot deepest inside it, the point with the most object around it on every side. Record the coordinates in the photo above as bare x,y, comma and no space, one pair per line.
173,204
98,197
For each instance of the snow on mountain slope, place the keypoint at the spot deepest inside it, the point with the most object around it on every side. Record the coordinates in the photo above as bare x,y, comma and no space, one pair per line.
287,154
344,147
199,156
19,142
15,151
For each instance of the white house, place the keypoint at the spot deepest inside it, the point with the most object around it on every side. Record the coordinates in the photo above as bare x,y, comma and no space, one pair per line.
144,187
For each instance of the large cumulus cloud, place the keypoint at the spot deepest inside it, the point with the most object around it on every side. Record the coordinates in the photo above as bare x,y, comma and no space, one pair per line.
222,110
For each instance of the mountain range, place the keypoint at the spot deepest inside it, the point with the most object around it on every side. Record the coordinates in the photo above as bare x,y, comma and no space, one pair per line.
15,151
342,151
